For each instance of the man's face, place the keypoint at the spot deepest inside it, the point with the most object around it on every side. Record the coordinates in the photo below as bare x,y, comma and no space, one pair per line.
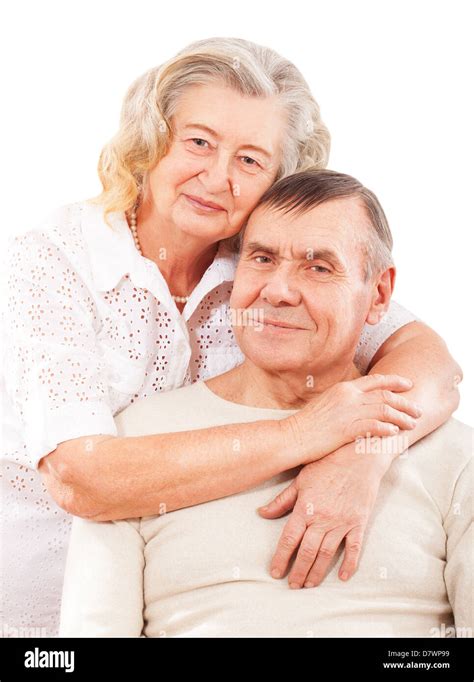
306,271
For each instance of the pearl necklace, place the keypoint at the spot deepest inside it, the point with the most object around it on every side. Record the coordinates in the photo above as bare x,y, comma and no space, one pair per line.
133,228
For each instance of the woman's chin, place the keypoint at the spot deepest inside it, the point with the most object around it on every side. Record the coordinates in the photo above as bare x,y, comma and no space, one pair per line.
205,228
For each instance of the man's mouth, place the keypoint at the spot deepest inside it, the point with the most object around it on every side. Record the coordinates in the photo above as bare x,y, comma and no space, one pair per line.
280,325
198,202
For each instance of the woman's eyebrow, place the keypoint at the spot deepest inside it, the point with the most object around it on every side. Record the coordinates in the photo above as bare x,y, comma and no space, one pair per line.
201,126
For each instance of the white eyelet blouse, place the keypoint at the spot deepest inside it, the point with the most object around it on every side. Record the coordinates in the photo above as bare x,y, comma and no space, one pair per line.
90,327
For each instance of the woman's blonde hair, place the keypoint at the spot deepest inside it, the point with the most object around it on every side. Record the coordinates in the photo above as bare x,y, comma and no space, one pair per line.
145,133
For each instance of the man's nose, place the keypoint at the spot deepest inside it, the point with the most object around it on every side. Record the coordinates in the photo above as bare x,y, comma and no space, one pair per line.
280,289
216,176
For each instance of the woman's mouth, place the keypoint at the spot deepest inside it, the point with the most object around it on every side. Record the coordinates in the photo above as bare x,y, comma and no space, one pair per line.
200,204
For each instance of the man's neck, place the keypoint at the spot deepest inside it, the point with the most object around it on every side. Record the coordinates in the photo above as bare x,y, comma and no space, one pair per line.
250,385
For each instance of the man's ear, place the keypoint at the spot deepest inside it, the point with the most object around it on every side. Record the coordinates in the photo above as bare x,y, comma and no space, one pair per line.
381,295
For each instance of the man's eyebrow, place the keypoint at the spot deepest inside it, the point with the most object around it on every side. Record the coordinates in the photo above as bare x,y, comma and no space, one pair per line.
322,254
201,126
307,254
258,246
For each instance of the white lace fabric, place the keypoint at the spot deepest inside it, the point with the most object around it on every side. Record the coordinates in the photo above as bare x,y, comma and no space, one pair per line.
90,327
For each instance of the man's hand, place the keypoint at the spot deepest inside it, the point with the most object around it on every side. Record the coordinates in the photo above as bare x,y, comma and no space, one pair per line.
332,500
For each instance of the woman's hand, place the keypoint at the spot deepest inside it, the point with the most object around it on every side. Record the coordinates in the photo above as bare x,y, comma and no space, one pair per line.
332,500
348,410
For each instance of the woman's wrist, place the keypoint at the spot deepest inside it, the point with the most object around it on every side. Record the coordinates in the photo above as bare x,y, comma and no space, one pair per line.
295,445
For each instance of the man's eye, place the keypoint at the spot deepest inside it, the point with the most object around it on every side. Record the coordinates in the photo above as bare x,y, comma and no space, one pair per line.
320,268
199,142
266,259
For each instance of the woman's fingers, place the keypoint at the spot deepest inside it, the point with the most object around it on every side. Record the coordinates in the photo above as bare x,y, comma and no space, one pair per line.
281,504
374,428
395,400
290,539
386,413
307,552
392,382
325,556
354,540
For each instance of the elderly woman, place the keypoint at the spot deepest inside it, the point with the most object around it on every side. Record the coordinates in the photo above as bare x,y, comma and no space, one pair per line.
126,295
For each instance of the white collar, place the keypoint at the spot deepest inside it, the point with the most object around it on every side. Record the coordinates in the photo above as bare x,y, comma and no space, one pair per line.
113,254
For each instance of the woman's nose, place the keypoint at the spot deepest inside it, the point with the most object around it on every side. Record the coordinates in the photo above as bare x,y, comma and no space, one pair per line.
216,176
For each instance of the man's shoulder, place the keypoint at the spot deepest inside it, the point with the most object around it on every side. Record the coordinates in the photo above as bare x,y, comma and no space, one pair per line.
453,438
442,458
179,409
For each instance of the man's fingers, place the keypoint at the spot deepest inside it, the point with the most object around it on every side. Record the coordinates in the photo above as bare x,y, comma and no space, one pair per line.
306,555
352,551
281,504
289,540
392,382
326,553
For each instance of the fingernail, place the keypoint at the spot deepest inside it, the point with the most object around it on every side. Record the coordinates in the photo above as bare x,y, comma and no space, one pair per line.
418,409
263,508
276,573
394,429
294,586
344,575
309,584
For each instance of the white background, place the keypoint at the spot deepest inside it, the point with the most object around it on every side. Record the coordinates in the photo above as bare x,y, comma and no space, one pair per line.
394,81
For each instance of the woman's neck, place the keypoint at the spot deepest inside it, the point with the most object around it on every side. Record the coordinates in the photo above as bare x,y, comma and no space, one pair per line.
181,258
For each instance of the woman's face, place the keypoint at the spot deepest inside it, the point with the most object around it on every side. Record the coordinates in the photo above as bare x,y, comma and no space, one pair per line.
225,152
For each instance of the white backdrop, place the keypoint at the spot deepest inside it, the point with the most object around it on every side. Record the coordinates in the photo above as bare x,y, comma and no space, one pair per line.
394,81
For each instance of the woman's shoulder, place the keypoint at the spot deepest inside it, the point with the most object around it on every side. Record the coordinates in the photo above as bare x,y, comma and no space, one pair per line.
62,221
57,237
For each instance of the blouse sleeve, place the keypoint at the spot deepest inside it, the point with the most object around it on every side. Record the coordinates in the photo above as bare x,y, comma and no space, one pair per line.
54,376
374,335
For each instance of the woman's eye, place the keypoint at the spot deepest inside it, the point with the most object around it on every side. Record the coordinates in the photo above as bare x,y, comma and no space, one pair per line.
248,161
199,142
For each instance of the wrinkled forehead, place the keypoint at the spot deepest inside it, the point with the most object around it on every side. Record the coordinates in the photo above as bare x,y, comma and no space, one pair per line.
231,115
341,225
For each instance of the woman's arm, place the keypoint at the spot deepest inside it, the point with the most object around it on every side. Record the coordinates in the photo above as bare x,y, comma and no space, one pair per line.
419,353
107,477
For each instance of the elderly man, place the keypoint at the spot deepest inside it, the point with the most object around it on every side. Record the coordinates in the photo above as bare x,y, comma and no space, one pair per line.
315,267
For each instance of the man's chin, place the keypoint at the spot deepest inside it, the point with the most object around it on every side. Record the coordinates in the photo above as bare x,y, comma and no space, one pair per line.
270,360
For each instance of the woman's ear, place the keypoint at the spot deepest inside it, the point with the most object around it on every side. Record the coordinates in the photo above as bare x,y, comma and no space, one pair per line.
381,295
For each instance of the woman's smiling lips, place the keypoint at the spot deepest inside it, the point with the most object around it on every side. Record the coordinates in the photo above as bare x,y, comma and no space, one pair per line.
207,206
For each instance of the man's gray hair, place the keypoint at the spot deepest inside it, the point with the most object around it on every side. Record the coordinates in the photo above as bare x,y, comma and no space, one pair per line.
303,191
